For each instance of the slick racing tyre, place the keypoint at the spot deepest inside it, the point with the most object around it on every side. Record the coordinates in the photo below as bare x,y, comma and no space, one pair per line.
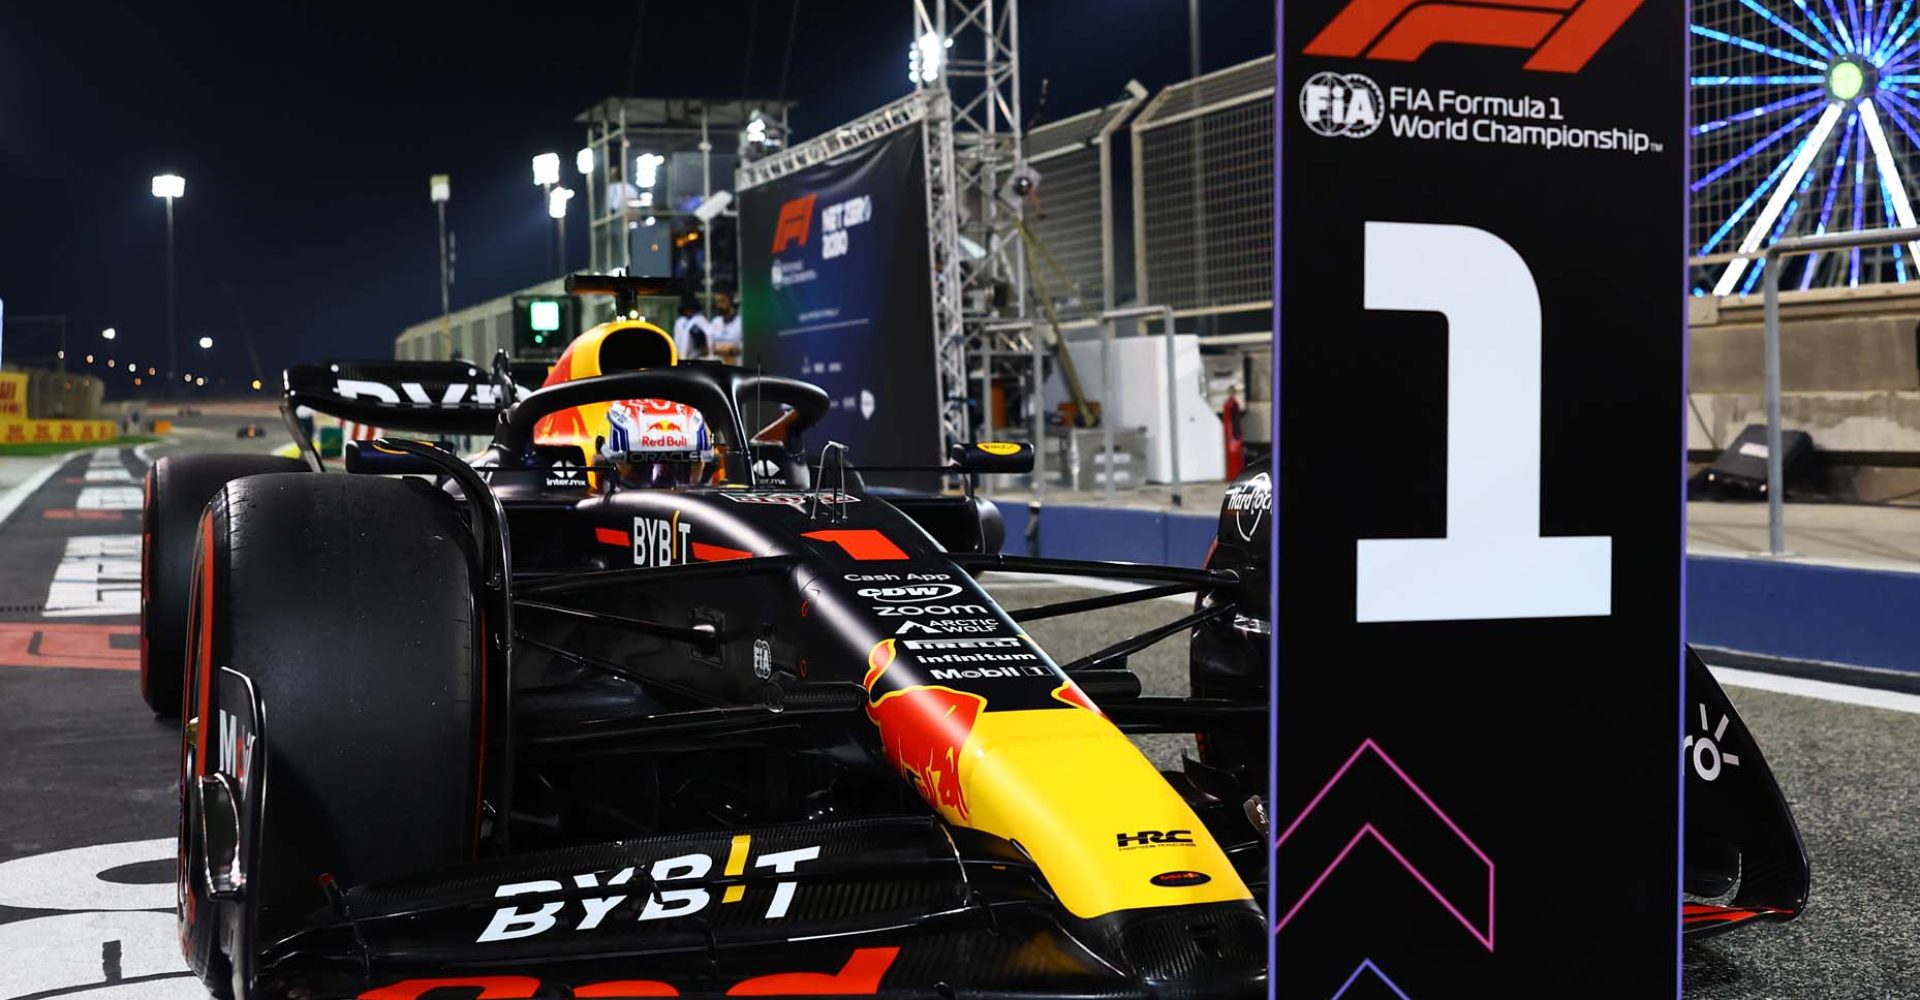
177,490
346,602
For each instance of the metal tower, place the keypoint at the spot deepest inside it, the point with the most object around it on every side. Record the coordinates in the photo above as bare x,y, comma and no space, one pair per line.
967,53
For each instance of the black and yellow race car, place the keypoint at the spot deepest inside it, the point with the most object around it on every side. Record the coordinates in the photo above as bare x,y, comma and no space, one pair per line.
493,725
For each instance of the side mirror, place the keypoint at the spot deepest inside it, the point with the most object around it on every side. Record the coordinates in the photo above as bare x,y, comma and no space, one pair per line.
993,456
364,457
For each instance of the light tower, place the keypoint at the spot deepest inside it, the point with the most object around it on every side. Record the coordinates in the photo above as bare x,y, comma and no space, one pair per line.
968,51
440,189
168,187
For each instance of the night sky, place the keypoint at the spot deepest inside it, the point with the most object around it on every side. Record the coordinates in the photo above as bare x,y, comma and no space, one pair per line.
307,132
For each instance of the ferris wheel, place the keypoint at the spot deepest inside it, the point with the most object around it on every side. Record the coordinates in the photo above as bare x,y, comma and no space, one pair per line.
1806,119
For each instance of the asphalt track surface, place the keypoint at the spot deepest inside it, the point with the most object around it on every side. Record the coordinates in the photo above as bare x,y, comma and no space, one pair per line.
86,774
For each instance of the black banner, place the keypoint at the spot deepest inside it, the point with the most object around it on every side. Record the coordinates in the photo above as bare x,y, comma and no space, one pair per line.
836,291
1478,647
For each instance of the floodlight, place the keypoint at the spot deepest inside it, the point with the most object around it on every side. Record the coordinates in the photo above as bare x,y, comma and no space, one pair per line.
546,168
646,169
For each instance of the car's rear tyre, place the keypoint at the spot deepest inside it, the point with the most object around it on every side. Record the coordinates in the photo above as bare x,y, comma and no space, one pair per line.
177,490
346,601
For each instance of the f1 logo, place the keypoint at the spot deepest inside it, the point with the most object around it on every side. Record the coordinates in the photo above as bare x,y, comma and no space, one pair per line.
1563,34
796,217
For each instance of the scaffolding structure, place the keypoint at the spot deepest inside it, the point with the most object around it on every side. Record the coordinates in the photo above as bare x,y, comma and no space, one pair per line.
1071,254
1203,193
969,66
619,129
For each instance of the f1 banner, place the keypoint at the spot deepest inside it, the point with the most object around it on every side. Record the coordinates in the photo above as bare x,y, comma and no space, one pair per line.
1478,653
836,290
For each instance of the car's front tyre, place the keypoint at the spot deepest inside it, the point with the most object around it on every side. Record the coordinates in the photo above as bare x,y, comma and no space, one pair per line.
347,603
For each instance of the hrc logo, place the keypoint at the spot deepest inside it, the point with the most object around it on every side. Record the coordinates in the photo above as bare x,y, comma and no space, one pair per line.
1153,838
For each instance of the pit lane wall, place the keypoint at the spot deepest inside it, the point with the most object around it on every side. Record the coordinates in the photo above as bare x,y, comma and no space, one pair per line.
1794,610
18,428
1805,611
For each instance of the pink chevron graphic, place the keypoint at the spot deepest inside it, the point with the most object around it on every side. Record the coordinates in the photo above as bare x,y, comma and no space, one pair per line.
1485,937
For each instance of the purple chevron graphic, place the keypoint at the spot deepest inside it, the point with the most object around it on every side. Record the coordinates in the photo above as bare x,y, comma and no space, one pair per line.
1484,936
1368,966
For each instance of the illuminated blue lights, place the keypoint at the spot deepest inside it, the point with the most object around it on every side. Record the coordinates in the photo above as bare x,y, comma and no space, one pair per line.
1833,189
1846,37
1859,53
1893,106
1752,199
1741,157
1859,201
1899,260
1761,111
1751,46
1820,26
1756,81
1791,31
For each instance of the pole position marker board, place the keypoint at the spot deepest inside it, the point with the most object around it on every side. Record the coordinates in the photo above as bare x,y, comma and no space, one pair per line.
1480,286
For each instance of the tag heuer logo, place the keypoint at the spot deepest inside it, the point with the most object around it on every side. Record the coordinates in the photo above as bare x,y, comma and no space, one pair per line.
1346,104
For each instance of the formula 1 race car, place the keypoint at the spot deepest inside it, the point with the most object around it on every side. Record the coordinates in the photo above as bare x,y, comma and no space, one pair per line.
501,724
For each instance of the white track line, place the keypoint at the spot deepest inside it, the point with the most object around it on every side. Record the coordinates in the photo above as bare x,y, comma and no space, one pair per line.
1013,581
1845,694
19,494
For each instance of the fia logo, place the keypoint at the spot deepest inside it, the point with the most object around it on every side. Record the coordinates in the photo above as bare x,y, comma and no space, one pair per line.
1346,104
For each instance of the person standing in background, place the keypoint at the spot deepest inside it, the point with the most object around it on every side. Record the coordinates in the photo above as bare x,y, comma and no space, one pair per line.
692,335
724,328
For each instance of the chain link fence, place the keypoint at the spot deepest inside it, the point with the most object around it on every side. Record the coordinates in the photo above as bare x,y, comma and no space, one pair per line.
1203,192
1067,219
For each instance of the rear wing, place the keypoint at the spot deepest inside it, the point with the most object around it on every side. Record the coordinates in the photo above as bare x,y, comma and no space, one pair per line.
432,397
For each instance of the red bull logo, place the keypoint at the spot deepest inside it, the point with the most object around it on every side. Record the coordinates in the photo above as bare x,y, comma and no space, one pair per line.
669,426
924,730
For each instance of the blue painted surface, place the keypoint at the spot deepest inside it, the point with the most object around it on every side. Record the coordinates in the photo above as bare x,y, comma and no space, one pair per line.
1805,611
1796,610
1131,535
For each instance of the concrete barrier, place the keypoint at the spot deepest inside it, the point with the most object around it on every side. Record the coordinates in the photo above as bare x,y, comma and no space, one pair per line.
1794,610
16,427
57,431
1805,611
1128,533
